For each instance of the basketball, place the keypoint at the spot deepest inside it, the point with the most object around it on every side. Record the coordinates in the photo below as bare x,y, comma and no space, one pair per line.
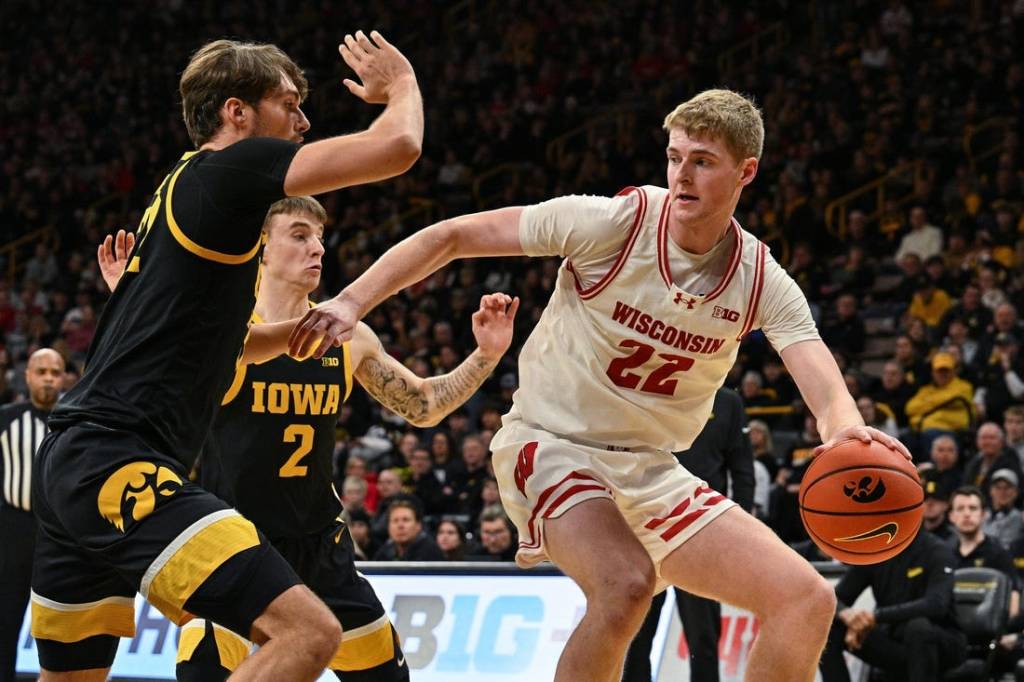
861,503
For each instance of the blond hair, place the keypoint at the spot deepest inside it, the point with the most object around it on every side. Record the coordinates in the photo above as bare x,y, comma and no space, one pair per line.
229,68
296,206
725,115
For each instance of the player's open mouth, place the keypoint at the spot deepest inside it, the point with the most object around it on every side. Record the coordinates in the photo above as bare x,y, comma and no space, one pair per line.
686,198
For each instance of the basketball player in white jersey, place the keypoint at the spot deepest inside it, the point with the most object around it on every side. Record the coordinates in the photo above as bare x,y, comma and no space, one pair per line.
656,289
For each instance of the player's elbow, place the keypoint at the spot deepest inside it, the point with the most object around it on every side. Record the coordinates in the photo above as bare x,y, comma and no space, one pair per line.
403,150
427,421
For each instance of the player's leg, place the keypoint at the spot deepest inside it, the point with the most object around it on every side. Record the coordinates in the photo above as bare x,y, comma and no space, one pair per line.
738,560
208,652
17,537
370,650
702,625
592,544
638,657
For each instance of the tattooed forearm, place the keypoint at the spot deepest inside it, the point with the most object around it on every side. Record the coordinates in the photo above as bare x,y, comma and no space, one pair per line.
455,388
392,391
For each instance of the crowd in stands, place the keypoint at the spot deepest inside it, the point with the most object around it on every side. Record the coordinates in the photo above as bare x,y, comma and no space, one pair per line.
920,303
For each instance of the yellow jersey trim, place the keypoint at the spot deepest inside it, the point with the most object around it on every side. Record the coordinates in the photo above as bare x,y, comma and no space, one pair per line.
191,246
74,625
348,370
236,385
206,545
365,650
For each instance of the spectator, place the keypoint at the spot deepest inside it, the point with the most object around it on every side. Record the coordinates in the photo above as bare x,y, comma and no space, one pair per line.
389,487
944,463
924,239
407,540
895,392
1013,425
936,508
424,484
845,330
881,420
915,369
353,493
1002,380
974,548
763,446
451,539
992,456
943,406
929,303
912,632
468,481
976,316
496,537
359,528
1003,521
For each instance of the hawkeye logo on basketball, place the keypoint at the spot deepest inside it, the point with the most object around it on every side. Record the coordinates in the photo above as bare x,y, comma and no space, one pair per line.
132,492
725,314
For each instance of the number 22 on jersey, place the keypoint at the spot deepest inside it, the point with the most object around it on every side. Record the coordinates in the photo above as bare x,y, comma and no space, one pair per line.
660,381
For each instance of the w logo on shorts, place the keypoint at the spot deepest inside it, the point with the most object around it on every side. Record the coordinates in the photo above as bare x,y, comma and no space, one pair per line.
524,465
132,492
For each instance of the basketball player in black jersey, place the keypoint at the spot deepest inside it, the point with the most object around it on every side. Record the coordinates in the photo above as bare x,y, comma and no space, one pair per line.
116,511
269,451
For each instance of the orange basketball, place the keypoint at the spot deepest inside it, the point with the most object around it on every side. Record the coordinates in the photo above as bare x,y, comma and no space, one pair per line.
861,503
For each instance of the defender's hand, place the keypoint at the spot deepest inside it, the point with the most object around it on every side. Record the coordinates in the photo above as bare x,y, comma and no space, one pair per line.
112,255
378,64
492,324
330,323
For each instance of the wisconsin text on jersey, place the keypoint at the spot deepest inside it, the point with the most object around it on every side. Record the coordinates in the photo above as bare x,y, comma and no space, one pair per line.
662,331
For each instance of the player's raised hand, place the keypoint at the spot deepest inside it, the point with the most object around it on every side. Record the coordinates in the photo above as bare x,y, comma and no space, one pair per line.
112,255
378,64
492,324
329,324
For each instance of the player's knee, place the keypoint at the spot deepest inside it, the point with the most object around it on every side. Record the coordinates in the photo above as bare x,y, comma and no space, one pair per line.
820,600
917,632
629,592
322,636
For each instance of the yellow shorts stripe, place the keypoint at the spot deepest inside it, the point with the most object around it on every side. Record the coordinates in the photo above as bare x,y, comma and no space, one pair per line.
364,651
74,622
231,648
190,559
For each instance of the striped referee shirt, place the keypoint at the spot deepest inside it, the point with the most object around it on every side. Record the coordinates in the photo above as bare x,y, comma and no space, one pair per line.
22,427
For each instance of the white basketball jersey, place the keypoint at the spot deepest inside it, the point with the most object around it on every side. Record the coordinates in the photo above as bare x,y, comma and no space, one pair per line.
632,360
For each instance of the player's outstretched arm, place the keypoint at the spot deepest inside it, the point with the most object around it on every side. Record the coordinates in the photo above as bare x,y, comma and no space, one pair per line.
817,375
425,402
491,233
112,256
389,147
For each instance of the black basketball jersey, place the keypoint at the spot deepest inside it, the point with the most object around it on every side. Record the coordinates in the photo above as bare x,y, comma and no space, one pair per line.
269,453
166,345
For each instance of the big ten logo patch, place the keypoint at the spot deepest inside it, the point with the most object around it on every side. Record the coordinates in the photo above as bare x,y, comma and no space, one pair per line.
725,314
132,492
329,362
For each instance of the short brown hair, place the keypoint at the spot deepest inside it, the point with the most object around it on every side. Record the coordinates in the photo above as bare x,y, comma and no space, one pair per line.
725,115
229,68
296,205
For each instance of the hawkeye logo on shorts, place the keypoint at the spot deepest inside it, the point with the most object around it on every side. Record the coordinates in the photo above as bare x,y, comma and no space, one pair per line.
131,493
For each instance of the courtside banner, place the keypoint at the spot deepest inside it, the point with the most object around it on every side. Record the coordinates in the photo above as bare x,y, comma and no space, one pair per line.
458,622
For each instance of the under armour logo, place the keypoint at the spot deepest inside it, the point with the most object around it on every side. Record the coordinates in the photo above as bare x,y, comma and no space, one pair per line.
689,302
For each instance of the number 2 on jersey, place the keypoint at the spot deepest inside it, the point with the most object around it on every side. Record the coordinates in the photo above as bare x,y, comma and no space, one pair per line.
303,433
659,381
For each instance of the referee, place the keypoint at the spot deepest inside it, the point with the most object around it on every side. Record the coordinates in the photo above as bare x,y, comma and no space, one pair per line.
722,456
22,427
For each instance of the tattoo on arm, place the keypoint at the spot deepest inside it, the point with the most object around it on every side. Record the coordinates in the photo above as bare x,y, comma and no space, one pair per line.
392,390
455,388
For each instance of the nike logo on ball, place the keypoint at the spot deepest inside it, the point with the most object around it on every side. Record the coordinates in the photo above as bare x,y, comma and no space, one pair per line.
890,529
